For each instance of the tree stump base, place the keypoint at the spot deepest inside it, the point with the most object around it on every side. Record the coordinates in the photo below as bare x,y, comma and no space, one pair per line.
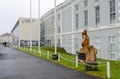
91,66
55,56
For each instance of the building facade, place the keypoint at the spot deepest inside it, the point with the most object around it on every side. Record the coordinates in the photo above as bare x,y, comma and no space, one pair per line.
6,38
42,33
100,17
21,32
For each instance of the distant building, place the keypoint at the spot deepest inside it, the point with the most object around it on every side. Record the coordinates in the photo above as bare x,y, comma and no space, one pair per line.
42,33
100,17
48,26
5,39
21,32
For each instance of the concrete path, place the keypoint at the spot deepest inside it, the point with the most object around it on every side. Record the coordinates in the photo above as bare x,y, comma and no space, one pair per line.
15,64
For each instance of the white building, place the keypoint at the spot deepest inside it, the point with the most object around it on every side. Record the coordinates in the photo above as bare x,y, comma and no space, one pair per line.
6,38
21,32
100,17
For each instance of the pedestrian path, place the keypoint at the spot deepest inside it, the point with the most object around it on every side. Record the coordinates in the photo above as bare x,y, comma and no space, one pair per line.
15,64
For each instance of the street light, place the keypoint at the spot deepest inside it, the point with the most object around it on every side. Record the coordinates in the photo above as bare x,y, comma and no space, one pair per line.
30,27
55,25
39,29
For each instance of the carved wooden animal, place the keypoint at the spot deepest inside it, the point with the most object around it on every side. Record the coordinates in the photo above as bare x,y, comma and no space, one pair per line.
90,51
85,39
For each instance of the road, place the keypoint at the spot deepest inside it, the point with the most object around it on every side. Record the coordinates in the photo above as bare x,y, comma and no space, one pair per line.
15,64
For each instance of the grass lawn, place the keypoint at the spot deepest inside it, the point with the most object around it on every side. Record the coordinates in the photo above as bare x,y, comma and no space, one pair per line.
114,65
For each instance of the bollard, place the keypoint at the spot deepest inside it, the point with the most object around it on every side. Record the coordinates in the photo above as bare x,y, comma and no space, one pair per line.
39,52
34,51
48,53
76,61
29,50
108,69
58,57
25,48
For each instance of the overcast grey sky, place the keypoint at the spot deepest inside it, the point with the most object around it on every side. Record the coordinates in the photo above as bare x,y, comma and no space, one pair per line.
11,10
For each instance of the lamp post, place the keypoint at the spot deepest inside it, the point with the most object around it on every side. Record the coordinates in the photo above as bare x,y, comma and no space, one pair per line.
30,27
39,29
55,25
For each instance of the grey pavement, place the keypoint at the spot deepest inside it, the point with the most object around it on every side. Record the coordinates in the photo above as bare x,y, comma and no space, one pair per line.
15,64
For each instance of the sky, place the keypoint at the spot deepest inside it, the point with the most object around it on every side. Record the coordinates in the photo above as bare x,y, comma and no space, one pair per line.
11,10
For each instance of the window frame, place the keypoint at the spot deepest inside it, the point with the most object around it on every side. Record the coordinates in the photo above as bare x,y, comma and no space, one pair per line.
97,15
112,11
112,41
86,18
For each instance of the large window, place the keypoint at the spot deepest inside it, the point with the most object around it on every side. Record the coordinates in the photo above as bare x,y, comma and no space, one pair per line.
58,16
97,14
77,21
76,7
85,3
86,17
112,47
112,11
59,29
58,43
96,0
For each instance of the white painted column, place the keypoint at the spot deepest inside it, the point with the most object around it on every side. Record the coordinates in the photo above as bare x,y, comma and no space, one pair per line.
72,29
58,57
76,61
108,70
119,45
61,27
18,36
48,54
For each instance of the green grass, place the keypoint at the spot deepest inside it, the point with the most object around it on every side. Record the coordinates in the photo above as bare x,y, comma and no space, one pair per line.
115,65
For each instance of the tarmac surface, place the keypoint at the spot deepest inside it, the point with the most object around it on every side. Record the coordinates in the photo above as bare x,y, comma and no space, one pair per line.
15,64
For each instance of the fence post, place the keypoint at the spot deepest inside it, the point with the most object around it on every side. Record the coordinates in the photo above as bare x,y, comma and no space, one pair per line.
48,53
24,47
58,57
40,52
34,51
29,50
76,61
108,69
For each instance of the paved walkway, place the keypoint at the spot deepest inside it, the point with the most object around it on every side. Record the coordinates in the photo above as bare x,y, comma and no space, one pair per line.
15,64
